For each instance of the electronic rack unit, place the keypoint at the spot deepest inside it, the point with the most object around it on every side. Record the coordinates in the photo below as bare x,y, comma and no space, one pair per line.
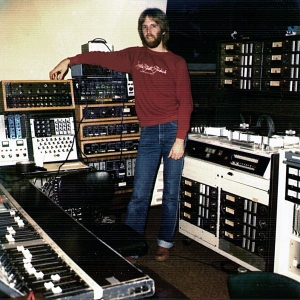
27,95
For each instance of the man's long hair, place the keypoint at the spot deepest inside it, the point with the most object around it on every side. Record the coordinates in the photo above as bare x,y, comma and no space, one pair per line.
160,18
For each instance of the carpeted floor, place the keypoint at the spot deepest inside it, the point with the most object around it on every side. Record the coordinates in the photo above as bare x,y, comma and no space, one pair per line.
194,271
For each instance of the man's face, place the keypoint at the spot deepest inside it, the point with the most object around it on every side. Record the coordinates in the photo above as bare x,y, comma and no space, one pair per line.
152,34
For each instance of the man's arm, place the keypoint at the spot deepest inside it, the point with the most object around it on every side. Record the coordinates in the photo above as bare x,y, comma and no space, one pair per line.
60,71
118,60
184,96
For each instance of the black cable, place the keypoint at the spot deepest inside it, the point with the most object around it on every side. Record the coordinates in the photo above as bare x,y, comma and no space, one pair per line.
101,41
66,159
82,154
69,152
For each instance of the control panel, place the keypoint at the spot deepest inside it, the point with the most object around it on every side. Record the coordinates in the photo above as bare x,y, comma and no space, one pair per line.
229,156
287,259
13,151
230,207
109,147
292,190
199,204
100,89
264,65
53,138
96,130
107,129
106,111
245,223
122,171
36,95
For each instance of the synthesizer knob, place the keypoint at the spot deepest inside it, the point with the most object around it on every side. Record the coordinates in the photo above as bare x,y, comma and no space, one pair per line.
261,250
263,210
213,215
261,236
263,223
212,228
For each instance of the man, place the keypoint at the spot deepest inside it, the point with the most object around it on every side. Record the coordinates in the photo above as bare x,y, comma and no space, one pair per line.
163,105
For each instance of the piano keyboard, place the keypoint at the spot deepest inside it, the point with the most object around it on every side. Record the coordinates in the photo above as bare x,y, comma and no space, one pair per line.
28,263
31,262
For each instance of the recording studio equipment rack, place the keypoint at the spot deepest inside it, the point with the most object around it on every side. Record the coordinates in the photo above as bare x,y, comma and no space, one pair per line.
37,121
58,258
101,89
228,200
27,95
39,136
107,129
108,136
266,65
287,254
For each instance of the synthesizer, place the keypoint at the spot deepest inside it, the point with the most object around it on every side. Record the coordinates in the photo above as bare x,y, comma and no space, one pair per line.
33,95
46,253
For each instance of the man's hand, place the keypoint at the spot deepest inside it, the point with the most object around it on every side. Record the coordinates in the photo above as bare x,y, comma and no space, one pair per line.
177,150
59,72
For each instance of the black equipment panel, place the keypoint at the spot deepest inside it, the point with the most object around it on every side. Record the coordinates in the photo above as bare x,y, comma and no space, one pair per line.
39,95
227,157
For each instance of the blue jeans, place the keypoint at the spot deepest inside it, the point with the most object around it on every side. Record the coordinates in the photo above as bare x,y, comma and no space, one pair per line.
155,144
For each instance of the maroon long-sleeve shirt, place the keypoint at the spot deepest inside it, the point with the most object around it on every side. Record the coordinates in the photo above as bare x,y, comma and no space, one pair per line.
161,83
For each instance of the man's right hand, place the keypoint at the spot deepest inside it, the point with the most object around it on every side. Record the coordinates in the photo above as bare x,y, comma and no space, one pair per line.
59,72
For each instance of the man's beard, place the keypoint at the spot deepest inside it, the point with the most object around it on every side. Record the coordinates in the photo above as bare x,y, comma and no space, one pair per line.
155,41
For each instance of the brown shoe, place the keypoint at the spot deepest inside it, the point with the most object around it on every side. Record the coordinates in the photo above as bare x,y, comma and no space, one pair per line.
162,254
